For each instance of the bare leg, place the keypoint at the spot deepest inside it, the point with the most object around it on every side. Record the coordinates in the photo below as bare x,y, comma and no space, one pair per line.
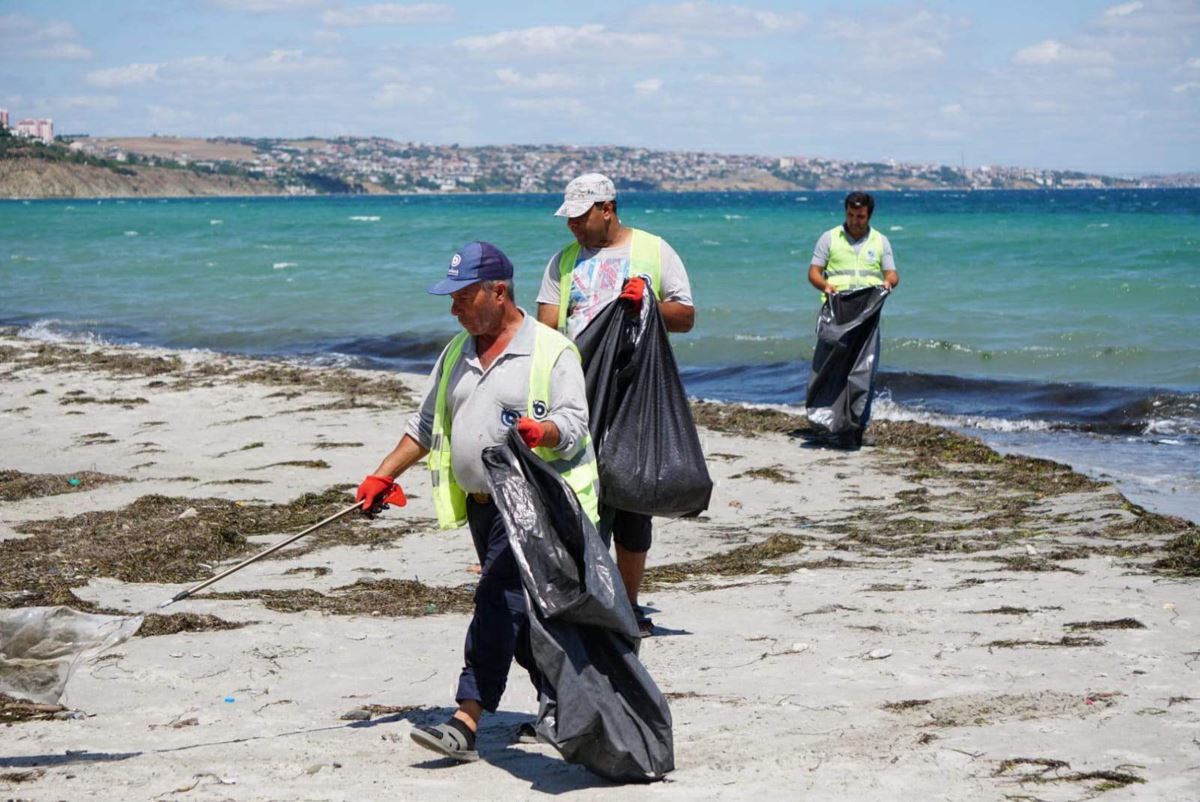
632,565
469,712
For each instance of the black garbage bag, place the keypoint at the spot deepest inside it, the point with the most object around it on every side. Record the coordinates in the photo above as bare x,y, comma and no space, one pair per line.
597,704
845,360
647,447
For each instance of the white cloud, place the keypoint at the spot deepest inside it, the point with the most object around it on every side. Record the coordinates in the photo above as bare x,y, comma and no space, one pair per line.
27,37
1194,63
951,109
1190,86
267,6
129,75
648,86
720,21
733,80
327,37
402,94
899,37
554,107
387,14
1052,51
594,41
1123,10
542,81
88,102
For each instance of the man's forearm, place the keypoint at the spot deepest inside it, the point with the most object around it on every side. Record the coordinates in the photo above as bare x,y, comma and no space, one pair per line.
679,318
406,454
816,277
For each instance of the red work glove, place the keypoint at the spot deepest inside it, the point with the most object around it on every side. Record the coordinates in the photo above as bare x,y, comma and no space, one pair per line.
634,289
532,432
376,491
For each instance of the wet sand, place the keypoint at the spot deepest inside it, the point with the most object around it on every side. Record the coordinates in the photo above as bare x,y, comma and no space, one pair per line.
919,619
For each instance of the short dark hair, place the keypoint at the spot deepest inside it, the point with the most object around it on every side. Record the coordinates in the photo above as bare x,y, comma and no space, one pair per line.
860,199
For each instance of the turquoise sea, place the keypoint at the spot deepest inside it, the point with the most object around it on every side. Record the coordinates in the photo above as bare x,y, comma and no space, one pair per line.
1057,323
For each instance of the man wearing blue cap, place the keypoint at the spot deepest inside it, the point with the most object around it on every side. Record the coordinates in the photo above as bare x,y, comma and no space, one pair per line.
607,261
504,369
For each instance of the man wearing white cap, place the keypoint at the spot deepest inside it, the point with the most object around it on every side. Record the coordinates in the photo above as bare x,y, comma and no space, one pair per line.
608,260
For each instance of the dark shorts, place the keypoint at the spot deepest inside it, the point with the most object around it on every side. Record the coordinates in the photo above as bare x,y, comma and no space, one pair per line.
631,530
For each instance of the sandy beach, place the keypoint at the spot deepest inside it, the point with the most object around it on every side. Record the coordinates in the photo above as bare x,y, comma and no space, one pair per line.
921,619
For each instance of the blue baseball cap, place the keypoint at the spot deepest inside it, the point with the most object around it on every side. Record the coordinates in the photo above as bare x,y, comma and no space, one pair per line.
474,262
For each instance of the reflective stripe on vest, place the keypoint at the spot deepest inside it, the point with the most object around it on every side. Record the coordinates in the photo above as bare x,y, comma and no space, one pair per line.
847,270
449,499
645,257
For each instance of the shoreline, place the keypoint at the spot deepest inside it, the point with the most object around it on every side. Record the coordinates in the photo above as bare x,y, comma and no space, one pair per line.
518,193
1041,436
930,618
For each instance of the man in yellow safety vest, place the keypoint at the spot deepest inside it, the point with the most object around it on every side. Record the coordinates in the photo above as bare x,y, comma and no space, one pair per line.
849,257
503,370
608,260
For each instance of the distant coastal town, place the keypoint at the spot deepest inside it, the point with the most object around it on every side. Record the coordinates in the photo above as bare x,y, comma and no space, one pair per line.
375,165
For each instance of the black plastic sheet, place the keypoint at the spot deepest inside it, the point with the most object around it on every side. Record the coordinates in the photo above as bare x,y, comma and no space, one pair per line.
845,360
647,447
597,703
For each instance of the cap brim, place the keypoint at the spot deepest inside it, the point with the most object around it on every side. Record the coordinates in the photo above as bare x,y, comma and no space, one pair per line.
574,208
448,285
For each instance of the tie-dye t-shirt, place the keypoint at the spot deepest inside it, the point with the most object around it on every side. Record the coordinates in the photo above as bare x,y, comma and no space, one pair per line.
598,278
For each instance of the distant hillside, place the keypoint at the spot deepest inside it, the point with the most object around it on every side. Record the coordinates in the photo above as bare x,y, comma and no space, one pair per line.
37,178
30,169
164,165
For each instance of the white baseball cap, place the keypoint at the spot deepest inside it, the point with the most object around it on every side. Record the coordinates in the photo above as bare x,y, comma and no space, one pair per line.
585,191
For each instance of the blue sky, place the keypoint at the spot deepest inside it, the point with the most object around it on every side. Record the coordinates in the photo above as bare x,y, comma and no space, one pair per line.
1106,86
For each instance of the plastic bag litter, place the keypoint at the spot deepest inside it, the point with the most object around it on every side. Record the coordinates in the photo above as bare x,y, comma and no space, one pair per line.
647,448
845,360
597,703
40,647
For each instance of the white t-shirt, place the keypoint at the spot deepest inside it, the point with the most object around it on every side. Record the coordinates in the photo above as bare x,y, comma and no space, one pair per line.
598,278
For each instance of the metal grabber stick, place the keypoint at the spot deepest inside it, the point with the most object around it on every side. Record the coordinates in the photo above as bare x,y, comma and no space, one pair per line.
183,594
396,497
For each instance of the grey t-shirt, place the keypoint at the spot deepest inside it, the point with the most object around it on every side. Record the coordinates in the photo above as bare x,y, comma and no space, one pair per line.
820,256
597,280
484,404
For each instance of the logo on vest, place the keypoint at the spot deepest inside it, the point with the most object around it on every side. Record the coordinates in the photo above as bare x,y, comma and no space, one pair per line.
871,255
539,409
508,417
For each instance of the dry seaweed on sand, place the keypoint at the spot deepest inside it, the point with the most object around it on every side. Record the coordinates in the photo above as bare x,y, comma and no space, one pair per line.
1024,562
26,776
1182,555
15,485
1068,641
930,450
169,540
775,473
752,559
1042,771
14,710
385,597
296,463
745,421
120,362
1006,610
340,381
1119,623
907,704
155,624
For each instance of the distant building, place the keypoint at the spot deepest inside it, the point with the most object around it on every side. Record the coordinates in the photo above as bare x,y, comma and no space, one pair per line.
3,118
42,129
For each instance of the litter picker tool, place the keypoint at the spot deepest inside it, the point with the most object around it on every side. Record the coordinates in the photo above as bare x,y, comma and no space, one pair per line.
396,496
